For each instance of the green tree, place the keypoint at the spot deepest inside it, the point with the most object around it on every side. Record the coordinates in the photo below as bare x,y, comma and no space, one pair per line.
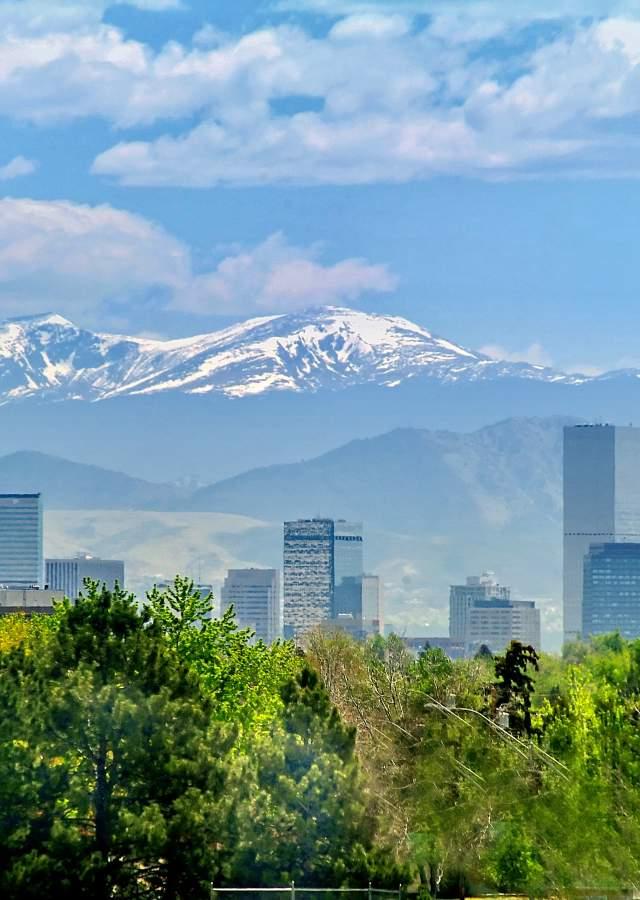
118,771
307,817
242,677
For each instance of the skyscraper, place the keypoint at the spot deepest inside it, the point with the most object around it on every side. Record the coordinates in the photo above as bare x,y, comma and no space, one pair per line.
611,590
67,574
347,569
255,596
308,574
601,488
21,560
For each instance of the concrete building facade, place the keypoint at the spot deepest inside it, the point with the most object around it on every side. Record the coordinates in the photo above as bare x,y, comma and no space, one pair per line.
67,574
462,597
28,602
495,623
372,604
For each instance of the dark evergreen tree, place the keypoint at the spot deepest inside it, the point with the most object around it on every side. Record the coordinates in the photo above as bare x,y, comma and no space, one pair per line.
118,775
514,685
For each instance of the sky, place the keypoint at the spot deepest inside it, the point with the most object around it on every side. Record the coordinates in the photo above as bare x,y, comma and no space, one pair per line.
170,166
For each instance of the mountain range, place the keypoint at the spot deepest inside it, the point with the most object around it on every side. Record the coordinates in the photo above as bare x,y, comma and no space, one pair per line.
272,390
330,347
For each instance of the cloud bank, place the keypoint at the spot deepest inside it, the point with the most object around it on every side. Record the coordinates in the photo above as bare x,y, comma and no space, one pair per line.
479,89
473,89
81,260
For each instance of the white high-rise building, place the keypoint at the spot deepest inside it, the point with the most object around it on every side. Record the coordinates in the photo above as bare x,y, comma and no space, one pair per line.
255,597
463,596
495,623
21,559
67,574
481,612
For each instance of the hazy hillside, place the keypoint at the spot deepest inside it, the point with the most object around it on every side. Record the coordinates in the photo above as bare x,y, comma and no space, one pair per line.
413,480
70,485
436,506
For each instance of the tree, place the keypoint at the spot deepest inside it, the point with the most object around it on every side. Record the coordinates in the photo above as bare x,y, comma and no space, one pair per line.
242,677
120,773
515,686
307,816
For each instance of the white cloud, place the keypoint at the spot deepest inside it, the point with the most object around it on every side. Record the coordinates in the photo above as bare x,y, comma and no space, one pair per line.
276,276
431,104
17,167
534,354
75,258
81,260
428,107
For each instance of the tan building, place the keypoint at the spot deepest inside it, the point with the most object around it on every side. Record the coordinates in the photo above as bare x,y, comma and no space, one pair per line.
30,602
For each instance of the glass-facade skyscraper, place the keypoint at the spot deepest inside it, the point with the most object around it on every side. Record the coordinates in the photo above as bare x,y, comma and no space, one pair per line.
308,570
322,573
611,591
21,558
348,568
601,492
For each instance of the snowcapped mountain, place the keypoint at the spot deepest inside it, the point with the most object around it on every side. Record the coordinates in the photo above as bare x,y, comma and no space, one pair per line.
48,356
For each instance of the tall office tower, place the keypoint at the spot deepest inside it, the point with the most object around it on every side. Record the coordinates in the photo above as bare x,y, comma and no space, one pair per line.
21,561
67,574
308,574
255,596
372,608
601,487
611,590
495,623
463,596
347,569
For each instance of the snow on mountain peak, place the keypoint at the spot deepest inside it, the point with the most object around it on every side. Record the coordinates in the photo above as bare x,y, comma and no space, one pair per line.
329,347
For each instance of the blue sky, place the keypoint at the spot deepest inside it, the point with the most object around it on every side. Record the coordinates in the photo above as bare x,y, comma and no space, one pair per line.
168,167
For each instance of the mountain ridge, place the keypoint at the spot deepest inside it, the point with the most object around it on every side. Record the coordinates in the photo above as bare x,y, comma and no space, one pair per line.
330,347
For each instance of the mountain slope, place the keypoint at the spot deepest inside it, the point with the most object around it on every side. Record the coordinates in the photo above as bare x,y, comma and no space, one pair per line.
413,480
50,357
70,485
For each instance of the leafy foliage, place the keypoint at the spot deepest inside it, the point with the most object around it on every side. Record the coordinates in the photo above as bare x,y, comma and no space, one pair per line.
154,751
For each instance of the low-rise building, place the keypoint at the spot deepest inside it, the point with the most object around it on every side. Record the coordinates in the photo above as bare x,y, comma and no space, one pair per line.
28,601
67,574
495,623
